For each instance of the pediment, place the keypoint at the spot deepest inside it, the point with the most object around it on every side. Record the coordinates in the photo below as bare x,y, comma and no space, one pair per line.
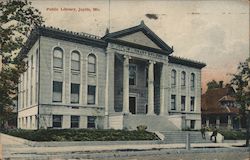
139,35
139,38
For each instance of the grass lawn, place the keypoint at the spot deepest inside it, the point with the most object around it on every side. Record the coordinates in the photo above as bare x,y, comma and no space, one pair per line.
81,135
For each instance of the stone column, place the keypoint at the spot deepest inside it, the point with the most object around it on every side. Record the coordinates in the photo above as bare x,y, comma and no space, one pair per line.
125,108
162,88
207,121
151,88
217,122
229,122
107,86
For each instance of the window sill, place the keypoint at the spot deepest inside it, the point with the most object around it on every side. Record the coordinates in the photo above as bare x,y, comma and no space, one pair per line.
75,72
92,74
54,102
58,69
74,103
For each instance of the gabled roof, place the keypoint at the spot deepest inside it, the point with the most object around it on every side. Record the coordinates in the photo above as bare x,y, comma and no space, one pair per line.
210,101
113,37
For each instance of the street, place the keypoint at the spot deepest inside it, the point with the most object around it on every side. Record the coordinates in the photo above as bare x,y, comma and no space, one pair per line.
192,156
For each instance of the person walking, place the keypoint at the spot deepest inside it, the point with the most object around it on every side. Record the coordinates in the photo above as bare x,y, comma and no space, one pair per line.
203,130
214,134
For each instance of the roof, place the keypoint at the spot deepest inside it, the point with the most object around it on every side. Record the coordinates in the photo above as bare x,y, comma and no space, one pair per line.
186,62
83,38
112,37
210,101
227,98
102,42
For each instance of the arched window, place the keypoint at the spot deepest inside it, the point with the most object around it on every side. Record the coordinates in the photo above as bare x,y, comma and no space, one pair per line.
192,80
183,78
173,77
58,58
91,64
75,61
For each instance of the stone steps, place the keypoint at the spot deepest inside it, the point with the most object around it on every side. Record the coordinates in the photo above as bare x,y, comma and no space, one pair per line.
181,136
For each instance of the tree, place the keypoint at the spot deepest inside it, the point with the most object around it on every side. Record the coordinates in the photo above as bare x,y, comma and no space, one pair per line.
214,84
241,82
17,18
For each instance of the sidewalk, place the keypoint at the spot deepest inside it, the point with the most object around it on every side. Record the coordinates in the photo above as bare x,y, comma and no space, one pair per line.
15,147
58,149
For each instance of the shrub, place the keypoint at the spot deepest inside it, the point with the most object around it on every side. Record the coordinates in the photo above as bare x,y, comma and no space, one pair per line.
233,135
141,128
82,135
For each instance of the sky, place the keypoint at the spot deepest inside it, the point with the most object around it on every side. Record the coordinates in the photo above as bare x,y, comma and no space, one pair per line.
214,32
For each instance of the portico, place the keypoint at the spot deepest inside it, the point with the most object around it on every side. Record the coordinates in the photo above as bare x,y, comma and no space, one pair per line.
150,86
142,79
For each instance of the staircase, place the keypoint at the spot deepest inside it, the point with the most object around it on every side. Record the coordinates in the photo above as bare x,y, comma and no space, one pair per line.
153,122
180,137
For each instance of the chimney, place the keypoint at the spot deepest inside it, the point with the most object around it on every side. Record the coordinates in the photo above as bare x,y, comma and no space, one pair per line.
221,84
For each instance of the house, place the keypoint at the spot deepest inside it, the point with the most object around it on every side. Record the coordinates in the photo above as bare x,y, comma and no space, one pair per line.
121,80
219,108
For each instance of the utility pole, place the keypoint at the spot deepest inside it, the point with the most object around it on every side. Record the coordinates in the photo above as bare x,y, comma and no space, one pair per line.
1,59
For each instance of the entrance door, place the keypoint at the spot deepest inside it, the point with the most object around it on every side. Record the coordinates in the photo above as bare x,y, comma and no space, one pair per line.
132,105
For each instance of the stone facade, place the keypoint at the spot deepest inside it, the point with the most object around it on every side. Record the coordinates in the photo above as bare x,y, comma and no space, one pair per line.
122,80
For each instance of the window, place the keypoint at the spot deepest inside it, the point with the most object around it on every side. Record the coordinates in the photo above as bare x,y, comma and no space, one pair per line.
75,121
91,121
132,74
91,64
19,123
37,65
173,77
91,94
173,102
74,98
30,122
57,91
58,58
183,103
23,122
192,81
27,83
192,104
57,121
75,61
31,94
31,81
183,79
26,122
192,124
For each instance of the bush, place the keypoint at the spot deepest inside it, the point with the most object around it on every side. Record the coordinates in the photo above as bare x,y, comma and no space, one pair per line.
233,135
82,135
141,128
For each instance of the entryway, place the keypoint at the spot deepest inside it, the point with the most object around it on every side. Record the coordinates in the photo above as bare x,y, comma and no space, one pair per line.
132,105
